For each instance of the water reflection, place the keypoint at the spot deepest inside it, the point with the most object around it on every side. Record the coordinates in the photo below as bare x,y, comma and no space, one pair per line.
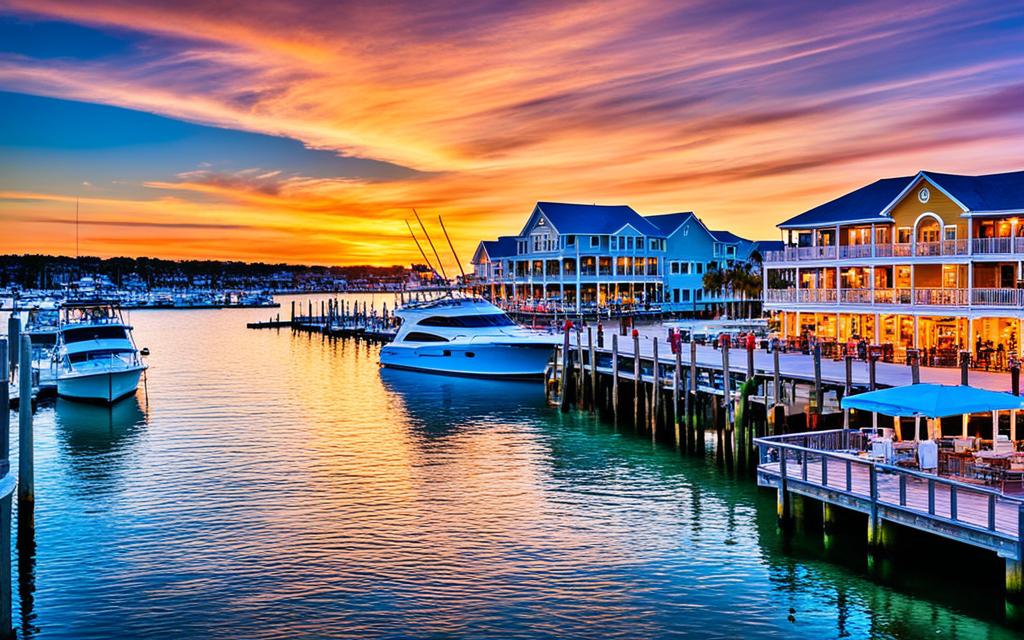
284,486
441,405
96,438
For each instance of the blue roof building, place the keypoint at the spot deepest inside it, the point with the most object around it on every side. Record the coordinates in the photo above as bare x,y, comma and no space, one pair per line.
932,261
587,255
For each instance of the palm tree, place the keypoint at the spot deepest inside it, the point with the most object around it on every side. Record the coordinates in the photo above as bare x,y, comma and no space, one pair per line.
714,281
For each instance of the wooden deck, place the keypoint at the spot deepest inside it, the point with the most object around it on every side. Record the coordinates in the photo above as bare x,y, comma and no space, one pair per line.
797,366
974,514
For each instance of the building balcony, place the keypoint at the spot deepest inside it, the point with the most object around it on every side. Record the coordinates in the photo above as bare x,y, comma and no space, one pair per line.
926,297
987,246
891,250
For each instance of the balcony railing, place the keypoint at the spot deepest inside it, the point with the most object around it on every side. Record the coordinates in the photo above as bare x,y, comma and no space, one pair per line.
928,296
998,245
940,297
997,297
895,250
855,251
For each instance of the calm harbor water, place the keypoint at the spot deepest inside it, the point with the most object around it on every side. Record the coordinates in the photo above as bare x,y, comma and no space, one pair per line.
279,485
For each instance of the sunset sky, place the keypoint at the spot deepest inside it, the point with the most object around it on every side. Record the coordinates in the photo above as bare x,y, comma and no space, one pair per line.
306,131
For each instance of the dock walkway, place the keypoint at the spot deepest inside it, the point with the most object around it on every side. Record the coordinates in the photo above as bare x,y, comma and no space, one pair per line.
798,366
823,465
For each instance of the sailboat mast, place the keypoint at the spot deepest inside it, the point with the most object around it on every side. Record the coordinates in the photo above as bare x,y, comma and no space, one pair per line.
418,246
76,229
432,247
452,247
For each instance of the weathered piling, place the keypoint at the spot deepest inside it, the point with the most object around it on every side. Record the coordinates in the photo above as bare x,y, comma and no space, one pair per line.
726,433
564,390
6,588
691,419
848,388
14,335
637,383
593,369
676,389
655,391
915,367
819,396
26,462
615,378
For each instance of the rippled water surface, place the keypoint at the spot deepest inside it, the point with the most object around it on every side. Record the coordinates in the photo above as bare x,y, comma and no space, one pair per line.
279,485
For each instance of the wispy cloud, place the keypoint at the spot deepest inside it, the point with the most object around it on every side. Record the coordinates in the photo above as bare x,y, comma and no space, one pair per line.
731,109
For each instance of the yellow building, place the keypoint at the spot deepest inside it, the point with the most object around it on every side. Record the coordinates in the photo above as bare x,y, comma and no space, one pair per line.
931,261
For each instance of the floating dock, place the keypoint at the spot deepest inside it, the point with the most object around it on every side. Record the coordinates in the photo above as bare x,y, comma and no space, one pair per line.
338,319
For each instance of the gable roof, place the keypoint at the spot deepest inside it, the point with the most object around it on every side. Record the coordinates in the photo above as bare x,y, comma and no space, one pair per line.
669,222
863,204
727,236
768,245
991,192
503,247
594,218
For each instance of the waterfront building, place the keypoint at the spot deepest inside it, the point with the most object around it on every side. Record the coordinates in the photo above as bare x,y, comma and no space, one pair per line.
577,255
692,251
931,261
583,255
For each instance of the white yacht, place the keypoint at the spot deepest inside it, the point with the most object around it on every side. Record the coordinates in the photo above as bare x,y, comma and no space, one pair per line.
96,355
467,336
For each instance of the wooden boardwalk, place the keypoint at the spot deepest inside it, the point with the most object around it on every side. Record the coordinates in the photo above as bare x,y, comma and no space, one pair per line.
797,366
975,514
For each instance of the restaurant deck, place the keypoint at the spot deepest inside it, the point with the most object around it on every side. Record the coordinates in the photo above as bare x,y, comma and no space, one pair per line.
827,466
798,366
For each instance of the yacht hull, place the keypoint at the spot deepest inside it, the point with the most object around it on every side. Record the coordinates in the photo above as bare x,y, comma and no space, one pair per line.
485,361
101,386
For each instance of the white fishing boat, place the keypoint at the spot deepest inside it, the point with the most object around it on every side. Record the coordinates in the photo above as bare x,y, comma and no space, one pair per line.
459,335
96,355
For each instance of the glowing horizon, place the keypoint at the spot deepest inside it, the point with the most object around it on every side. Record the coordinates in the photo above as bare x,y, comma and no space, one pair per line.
306,133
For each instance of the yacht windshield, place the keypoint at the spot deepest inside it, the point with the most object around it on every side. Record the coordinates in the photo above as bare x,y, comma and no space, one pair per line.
482,320
94,333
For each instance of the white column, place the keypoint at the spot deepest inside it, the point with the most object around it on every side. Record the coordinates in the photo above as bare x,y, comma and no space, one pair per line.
871,271
878,329
873,252
917,340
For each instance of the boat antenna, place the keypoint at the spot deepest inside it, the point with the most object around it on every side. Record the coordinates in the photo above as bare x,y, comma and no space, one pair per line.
420,247
458,262
432,247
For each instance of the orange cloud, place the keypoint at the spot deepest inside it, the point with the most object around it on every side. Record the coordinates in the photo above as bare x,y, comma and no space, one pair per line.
745,116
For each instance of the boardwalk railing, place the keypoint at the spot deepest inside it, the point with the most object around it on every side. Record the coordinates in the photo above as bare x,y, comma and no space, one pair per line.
825,465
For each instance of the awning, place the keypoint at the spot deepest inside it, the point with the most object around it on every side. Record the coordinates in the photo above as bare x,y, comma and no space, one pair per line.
932,401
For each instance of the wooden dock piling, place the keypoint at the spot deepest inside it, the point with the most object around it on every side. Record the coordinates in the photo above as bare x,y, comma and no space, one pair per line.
593,369
637,380
677,384
566,376
14,335
655,391
26,462
6,588
615,378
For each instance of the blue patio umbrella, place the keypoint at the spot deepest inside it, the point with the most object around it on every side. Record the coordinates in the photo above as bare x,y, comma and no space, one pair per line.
932,401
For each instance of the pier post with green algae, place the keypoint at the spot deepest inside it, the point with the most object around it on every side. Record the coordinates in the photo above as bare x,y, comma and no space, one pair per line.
1015,568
